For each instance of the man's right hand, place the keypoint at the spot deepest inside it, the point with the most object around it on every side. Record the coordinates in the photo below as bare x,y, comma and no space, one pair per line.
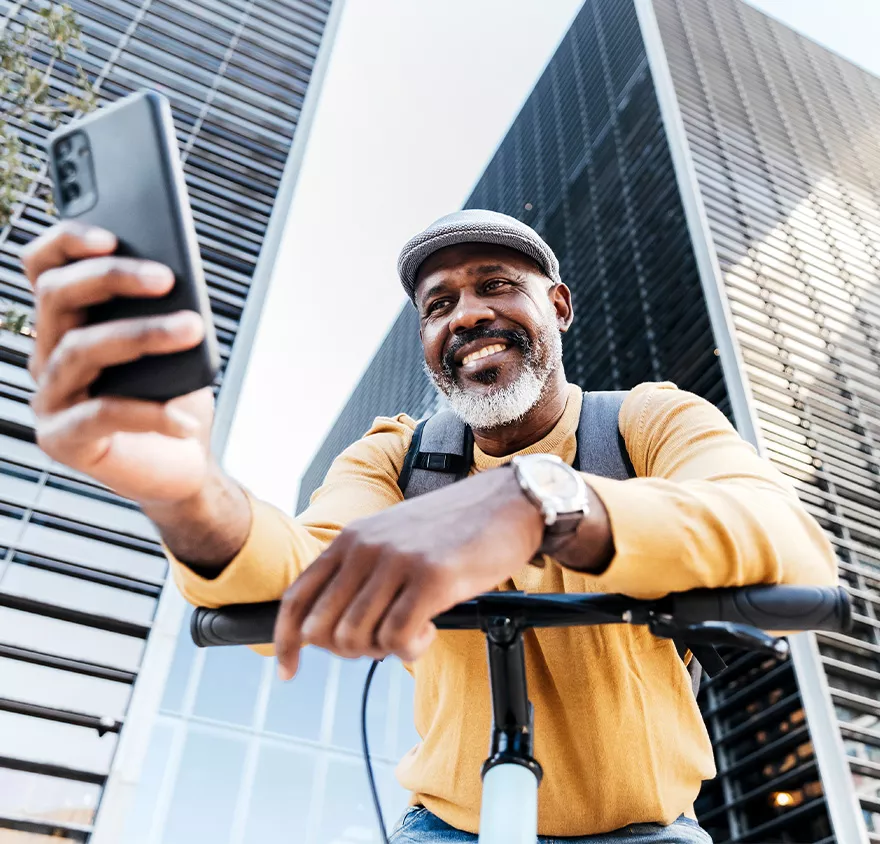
154,453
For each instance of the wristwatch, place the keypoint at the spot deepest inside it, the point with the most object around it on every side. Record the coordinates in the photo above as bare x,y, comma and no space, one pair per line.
558,491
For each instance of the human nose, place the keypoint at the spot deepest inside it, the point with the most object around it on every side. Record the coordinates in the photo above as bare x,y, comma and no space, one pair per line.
470,311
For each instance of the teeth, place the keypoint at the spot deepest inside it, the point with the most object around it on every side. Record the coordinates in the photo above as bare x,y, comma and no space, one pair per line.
484,352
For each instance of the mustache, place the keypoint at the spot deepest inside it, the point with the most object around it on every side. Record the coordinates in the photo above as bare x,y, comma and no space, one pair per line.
512,337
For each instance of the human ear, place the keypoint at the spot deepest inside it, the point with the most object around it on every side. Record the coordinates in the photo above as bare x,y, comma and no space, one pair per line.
560,298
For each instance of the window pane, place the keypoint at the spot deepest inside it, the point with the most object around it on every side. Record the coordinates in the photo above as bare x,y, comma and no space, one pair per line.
96,553
39,740
9,530
139,821
49,635
62,689
205,791
348,814
34,796
297,708
347,720
228,685
65,591
178,674
281,797
18,490
406,737
90,510
22,451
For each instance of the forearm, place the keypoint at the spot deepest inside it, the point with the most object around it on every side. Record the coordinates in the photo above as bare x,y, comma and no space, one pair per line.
671,537
207,531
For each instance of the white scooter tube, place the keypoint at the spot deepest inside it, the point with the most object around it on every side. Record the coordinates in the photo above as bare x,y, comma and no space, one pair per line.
509,813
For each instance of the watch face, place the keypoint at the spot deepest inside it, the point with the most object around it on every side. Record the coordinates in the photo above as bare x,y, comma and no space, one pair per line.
550,479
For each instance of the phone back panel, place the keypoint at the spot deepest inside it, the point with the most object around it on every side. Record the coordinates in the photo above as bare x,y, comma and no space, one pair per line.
140,195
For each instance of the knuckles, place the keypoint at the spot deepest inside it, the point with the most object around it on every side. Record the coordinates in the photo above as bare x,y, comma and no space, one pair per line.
348,644
48,287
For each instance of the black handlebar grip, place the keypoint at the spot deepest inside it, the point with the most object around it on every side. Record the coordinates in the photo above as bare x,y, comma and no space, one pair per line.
242,624
788,608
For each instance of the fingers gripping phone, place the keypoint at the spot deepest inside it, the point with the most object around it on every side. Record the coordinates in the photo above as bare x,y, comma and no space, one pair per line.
118,168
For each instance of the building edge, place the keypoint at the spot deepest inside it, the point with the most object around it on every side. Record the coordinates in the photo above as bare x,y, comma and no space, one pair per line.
843,805
124,776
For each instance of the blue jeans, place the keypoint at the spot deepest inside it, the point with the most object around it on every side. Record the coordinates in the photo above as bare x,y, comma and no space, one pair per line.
419,826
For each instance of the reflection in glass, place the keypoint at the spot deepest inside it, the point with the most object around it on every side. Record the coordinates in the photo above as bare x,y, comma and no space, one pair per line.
62,689
64,591
228,685
296,708
27,795
281,796
205,791
39,740
138,824
49,635
178,674
347,720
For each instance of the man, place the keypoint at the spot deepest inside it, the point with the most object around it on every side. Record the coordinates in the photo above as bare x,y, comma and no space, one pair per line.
617,729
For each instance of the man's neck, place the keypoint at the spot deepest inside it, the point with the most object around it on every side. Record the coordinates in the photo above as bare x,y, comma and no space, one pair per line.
537,423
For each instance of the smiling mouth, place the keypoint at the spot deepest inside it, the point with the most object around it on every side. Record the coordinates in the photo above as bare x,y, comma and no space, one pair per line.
485,352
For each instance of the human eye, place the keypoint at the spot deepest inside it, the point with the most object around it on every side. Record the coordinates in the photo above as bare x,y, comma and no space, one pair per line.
437,305
494,285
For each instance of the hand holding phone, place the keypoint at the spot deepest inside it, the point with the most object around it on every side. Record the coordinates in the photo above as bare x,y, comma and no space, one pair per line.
125,350
145,450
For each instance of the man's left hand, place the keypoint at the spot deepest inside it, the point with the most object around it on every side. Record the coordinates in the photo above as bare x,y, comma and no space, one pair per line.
375,590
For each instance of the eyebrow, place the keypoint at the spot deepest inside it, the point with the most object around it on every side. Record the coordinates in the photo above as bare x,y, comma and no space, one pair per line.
441,287
486,269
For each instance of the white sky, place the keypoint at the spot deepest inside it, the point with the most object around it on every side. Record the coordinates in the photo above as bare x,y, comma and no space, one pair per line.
416,99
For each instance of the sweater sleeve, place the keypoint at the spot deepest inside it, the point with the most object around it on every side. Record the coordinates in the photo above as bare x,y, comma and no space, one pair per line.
361,481
705,509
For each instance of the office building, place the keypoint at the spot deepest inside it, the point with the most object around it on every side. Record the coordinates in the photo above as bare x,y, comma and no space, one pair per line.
82,571
709,180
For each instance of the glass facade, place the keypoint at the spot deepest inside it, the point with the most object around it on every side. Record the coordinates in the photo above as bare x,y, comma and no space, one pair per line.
782,138
81,570
241,757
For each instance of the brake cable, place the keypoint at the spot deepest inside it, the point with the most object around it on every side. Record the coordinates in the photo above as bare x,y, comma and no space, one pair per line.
366,748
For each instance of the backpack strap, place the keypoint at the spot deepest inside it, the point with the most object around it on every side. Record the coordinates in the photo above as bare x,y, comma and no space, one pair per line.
440,453
600,446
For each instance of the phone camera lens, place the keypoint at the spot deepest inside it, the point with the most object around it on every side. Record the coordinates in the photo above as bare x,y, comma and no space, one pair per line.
67,170
70,193
64,148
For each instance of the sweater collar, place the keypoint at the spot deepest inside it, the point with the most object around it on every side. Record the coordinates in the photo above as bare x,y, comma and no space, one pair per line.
551,443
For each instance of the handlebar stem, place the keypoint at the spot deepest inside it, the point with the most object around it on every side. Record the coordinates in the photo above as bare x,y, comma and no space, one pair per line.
512,713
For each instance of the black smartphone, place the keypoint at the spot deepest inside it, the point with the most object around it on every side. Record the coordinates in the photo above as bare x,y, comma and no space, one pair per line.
119,168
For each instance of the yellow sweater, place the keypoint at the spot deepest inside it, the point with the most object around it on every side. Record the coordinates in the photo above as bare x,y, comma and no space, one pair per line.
617,729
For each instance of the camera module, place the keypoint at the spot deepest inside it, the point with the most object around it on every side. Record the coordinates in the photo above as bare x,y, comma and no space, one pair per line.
67,170
64,147
70,193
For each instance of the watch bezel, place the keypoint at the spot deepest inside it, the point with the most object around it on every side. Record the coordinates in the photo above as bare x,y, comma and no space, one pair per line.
552,506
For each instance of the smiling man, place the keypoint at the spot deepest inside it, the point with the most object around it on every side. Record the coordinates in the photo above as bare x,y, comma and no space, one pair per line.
363,572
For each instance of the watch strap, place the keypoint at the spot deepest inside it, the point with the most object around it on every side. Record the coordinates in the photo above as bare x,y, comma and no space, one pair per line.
557,535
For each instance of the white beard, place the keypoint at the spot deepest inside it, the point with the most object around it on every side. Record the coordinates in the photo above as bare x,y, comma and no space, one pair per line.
505,405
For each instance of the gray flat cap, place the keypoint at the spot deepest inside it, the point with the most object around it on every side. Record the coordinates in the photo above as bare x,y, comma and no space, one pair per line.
474,226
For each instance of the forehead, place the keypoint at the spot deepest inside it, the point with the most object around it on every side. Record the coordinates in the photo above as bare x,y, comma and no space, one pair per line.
457,264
